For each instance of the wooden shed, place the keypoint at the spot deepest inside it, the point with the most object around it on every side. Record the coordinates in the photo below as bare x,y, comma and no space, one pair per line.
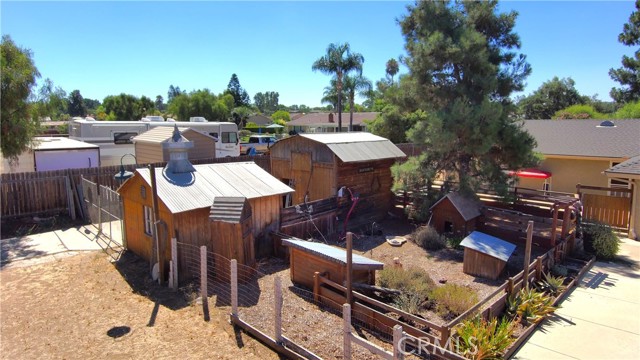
149,146
455,214
307,257
224,206
484,255
318,165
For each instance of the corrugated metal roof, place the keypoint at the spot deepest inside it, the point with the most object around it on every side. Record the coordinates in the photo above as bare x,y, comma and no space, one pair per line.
584,137
159,134
489,245
468,208
334,254
60,143
196,190
227,209
357,146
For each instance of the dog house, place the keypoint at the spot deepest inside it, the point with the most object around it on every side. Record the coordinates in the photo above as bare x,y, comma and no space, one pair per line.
455,214
484,255
307,258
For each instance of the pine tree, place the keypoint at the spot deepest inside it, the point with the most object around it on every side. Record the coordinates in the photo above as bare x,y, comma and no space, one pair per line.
629,74
462,69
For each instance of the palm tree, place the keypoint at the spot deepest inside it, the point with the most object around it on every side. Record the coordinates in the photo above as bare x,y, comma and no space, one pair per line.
330,95
392,68
338,61
352,85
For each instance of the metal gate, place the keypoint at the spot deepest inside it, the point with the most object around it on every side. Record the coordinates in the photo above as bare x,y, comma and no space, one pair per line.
104,211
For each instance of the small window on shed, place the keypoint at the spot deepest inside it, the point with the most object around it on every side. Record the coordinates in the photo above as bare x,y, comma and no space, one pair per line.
148,220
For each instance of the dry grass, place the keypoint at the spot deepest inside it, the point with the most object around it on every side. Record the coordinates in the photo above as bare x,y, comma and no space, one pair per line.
67,309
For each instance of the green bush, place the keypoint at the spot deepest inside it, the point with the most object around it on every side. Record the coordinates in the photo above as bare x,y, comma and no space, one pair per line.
428,238
453,299
481,339
601,240
551,284
412,281
409,302
454,241
559,270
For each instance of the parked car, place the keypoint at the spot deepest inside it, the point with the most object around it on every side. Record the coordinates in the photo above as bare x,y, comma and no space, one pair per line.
259,143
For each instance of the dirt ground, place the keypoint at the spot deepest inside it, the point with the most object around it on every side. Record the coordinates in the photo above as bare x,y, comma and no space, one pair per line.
84,307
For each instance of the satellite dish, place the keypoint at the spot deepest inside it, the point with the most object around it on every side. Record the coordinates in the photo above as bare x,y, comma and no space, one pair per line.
155,273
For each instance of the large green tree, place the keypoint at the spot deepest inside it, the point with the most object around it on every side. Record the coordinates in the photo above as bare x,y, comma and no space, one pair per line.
240,95
50,102
76,104
201,103
463,68
266,102
553,95
19,74
629,74
339,61
125,107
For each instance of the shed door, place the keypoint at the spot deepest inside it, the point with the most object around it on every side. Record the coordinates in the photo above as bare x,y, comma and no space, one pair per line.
301,171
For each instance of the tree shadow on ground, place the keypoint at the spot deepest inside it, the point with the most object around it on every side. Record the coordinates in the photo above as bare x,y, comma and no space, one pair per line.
17,248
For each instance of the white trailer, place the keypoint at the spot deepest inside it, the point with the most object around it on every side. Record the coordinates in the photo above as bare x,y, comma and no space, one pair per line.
122,132
58,153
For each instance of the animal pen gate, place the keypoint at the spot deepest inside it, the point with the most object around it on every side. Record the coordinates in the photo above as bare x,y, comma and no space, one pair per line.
103,209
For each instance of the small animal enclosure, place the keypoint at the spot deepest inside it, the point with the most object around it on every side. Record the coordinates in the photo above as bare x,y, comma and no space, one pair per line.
484,255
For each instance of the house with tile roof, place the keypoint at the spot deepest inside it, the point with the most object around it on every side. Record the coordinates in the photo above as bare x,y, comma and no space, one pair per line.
328,122
579,151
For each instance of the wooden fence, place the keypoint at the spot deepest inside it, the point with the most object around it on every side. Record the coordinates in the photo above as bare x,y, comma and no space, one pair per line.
315,217
378,313
607,205
56,191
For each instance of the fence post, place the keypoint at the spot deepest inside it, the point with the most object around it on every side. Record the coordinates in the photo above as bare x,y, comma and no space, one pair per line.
174,263
203,282
234,288
316,286
510,286
70,201
398,344
527,253
539,268
349,268
278,308
346,316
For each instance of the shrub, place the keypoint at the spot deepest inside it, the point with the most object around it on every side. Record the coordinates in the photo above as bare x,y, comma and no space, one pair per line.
453,299
559,270
412,281
482,339
409,302
601,240
529,306
428,238
454,241
551,284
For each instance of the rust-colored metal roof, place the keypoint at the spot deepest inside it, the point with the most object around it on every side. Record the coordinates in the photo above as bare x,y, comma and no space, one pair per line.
357,146
198,189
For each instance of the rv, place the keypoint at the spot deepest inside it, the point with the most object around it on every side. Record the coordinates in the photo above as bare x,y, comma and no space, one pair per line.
121,132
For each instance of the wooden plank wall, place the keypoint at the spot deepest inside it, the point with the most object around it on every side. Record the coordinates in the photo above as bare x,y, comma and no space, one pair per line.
612,210
483,265
32,193
373,181
298,225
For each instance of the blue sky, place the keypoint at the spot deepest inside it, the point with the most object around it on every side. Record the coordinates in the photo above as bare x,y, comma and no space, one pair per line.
140,48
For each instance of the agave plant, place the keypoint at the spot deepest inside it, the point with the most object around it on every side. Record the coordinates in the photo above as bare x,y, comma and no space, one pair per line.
481,339
529,306
552,285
